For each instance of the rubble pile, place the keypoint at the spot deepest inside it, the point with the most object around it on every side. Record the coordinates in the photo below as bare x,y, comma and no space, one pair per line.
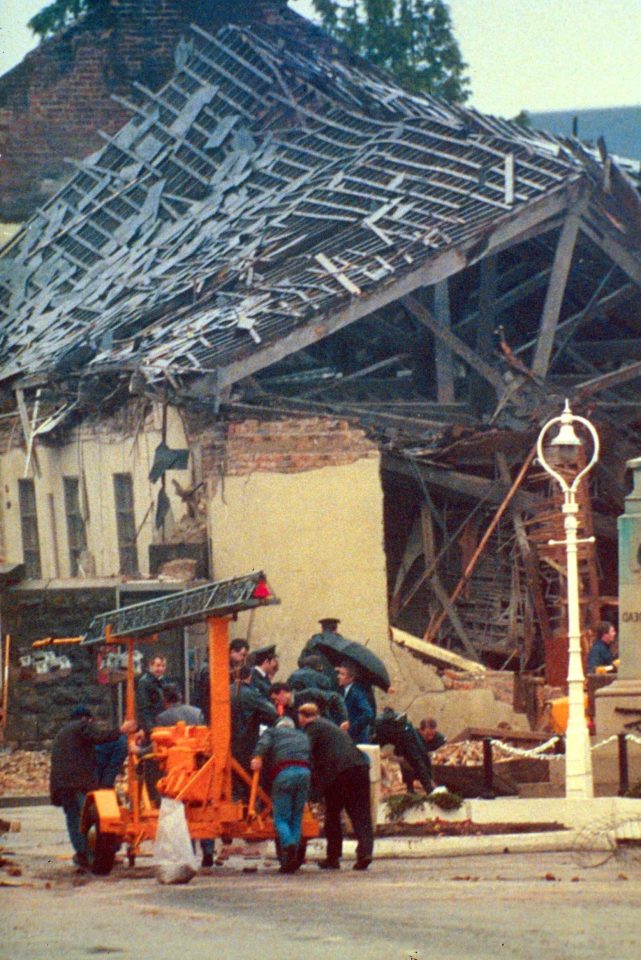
24,773
468,753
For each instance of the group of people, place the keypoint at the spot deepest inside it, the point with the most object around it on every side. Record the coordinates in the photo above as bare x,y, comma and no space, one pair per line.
300,734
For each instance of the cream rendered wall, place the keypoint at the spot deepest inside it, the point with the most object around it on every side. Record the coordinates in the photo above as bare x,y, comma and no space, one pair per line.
318,535
99,454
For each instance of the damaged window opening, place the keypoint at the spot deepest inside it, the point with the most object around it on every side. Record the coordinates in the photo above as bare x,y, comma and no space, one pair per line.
125,523
29,526
76,533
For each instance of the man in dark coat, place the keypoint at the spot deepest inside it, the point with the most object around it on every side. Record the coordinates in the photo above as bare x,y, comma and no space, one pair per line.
359,709
329,628
395,728
238,652
249,711
602,650
341,772
287,701
264,669
73,769
310,675
149,693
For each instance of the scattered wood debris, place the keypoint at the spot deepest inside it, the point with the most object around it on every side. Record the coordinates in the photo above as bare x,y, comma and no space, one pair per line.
24,773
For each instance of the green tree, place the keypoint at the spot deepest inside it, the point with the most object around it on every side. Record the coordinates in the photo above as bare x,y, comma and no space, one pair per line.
413,39
59,14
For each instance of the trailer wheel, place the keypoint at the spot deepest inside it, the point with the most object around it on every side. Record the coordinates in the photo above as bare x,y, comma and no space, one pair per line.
101,847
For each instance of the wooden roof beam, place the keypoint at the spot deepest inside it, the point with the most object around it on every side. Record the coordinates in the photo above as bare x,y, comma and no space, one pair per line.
616,251
556,292
455,344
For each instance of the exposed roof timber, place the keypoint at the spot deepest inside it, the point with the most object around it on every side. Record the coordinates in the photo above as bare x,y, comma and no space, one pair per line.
442,348
363,372
441,265
590,307
556,291
607,380
587,313
508,299
621,349
444,334
616,251
470,486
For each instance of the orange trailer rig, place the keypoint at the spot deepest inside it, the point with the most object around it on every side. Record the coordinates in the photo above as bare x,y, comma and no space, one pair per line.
195,762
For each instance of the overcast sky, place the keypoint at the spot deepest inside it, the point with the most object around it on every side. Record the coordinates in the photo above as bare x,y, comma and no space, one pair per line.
534,54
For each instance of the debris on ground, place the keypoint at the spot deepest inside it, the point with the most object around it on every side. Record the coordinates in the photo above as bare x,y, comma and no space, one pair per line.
24,773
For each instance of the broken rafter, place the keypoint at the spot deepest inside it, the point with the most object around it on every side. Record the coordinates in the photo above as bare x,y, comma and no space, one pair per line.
436,622
483,368
607,380
555,294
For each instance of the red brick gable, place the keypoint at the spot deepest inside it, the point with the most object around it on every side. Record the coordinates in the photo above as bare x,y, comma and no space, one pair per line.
53,104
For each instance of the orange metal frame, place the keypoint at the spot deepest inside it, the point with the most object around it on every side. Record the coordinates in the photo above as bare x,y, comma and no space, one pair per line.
196,764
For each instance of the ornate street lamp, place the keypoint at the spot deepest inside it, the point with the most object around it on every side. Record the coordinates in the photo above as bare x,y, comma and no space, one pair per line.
578,759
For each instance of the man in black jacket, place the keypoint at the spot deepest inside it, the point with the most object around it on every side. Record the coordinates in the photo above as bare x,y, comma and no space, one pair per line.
341,771
149,693
73,769
249,711
264,669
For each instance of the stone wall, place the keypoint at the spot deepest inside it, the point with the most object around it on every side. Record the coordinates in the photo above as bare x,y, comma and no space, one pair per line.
37,708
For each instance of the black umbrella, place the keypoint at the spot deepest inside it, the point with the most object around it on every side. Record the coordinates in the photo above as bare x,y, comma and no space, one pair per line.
370,667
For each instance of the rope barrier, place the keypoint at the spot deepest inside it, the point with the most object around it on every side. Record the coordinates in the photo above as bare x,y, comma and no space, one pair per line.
534,752
539,751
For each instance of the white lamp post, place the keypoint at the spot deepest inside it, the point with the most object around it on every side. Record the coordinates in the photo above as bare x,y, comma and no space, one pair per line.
578,759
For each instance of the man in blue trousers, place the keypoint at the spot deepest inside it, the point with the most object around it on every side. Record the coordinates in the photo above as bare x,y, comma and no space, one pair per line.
283,752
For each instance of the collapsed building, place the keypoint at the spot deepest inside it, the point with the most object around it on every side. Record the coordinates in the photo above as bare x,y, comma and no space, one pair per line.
292,317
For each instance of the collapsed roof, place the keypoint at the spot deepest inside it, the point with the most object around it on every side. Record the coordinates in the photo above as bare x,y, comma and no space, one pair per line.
283,229
273,193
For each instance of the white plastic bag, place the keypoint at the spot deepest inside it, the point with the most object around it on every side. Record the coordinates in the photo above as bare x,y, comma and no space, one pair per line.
174,855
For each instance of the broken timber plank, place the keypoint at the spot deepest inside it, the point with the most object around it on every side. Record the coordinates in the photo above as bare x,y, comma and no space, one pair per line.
434,627
555,294
437,587
442,352
431,653
422,314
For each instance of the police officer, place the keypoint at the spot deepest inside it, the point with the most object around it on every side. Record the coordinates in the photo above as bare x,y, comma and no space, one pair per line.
264,669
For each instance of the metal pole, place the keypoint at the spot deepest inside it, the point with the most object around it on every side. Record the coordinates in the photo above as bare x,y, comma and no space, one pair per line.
488,771
578,760
624,774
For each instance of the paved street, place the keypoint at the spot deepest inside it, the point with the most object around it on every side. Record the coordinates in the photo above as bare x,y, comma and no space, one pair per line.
521,906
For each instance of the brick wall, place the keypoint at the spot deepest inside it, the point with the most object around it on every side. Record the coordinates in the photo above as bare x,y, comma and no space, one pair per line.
53,104
284,446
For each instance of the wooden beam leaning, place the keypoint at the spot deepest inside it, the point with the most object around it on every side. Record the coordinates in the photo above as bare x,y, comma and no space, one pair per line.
434,627
555,294
465,484
483,368
612,379
442,352
616,251
437,587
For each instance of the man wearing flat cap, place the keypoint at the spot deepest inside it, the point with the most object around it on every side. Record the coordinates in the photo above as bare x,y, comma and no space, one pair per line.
73,770
264,669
